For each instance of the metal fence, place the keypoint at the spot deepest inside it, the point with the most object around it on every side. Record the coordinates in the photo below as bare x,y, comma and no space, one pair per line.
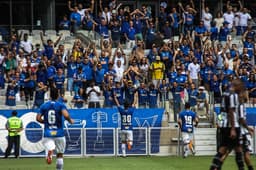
81,142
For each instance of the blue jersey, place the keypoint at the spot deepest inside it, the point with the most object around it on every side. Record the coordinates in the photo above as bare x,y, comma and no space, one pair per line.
59,81
152,98
53,119
71,69
126,118
192,97
187,118
143,96
119,94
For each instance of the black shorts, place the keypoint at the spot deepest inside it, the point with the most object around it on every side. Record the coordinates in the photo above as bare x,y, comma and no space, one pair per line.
225,139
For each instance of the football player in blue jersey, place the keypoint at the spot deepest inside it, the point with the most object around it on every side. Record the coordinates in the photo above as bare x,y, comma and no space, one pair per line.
187,121
51,115
126,114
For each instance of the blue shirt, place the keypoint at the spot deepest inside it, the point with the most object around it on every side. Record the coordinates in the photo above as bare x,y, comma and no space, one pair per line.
88,71
223,34
76,17
51,71
187,118
48,51
119,94
152,98
131,33
11,91
129,94
189,19
99,75
78,104
192,97
143,96
250,48
214,33
71,69
126,118
78,79
108,102
53,119
59,81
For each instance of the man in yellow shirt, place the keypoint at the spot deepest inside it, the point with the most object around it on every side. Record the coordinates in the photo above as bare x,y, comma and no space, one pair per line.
14,126
157,68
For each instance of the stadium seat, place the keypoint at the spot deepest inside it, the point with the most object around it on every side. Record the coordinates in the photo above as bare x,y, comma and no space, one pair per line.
50,32
23,32
36,32
65,33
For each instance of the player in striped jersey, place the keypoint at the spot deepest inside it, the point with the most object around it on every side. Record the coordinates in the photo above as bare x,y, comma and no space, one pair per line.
229,126
246,132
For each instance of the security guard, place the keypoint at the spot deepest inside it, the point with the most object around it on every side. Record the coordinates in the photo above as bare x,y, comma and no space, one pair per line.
14,126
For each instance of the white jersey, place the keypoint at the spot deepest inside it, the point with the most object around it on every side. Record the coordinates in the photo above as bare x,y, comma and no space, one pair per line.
243,19
229,101
93,96
27,46
207,18
193,70
229,17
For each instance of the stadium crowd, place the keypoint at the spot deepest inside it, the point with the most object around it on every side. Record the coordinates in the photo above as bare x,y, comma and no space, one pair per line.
185,61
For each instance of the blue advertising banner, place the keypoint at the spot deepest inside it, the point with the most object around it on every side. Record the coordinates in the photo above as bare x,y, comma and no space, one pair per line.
98,141
250,115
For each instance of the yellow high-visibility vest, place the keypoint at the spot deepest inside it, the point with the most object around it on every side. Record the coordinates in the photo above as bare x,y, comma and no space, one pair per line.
14,123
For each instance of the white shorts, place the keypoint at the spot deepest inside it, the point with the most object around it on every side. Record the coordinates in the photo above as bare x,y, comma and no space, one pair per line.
58,144
126,135
187,137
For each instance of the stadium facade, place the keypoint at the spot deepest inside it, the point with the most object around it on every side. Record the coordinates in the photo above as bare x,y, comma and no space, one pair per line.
46,14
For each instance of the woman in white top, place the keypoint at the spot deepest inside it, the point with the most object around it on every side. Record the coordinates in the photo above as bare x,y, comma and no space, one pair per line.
219,20
144,67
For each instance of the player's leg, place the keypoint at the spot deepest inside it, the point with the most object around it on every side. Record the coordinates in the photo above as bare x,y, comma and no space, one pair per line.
218,158
129,139
191,143
247,148
123,140
9,147
60,149
186,141
49,145
239,150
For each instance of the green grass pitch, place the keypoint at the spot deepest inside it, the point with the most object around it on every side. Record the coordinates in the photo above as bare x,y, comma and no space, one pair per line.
118,163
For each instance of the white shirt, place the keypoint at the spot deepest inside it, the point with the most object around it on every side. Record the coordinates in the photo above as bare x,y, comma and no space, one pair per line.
244,17
26,45
93,96
81,12
193,70
119,73
1,59
230,18
219,22
207,18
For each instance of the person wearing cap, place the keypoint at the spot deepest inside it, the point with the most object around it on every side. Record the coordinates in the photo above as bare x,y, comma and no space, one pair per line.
14,126
158,69
202,102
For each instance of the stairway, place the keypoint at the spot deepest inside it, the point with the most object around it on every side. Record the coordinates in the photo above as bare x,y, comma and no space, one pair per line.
205,141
